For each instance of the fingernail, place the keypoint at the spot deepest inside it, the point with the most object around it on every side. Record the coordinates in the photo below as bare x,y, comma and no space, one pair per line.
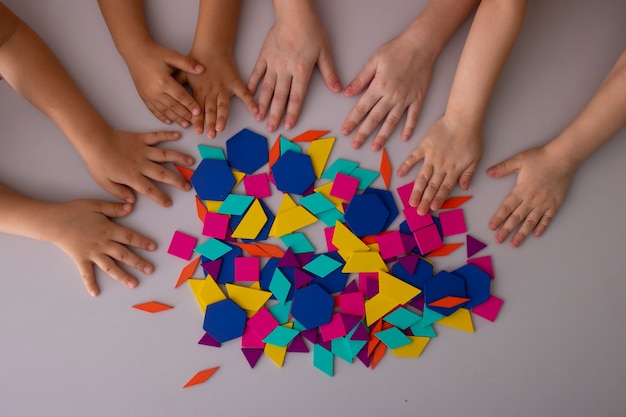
198,67
93,294
349,89
337,86
147,269
187,186
131,284
288,125
130,200
127,207
189,161
196,112
168,203
151,246
375,147
345,131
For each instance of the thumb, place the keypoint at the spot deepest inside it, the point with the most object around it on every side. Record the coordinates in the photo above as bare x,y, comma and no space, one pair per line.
362,80
504,168
184,63
327,68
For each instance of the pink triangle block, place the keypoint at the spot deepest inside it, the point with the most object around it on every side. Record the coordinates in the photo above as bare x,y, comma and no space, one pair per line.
363,278
361,333
301,278
390,244
352,304
208,340
483,263
417,303
474,246
489,309
350,322
409,263
409,242
289,260
310,335
416,221
252,355
364,357
262,323
298,345
328,234
372,288
212,268
452,222
404,192
304,258
333,329
250,339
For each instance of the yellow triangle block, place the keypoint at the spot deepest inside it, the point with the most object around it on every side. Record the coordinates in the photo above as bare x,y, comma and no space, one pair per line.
291,220
460,319
396,289
249,299
238,177
207,291
365,262
212,205
319,151
413,349
252,222
286,203
377,307
325,191
276,354
346,241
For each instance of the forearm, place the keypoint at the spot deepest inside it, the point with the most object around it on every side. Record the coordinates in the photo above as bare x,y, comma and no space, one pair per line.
437,22
23,216
126,21
216,27
491,38
33,70
600,120
291,11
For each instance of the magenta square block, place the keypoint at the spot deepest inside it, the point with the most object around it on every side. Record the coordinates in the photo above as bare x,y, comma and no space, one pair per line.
216,225
247,269
416,221
452,222
182,245
257,185
344,186
428,239
390,244
333,329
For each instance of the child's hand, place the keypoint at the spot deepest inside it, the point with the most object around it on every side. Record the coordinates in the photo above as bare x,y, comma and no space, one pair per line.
152,68
396,78
542,184
450,152
291,50
213,90
123,161
82,229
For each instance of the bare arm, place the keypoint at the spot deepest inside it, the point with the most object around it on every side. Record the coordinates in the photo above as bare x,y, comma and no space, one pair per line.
397,75
451,150
544,174
119,161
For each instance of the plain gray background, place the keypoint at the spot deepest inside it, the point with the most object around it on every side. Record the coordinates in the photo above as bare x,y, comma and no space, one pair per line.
557,347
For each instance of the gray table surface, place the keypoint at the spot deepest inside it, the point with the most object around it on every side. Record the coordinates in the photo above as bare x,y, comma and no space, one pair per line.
556,349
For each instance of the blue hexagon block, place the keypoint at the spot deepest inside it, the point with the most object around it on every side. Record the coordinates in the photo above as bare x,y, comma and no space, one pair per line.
366,215
387,198
224,320
247,151
312,306
441,285
213,180
477,284
293,172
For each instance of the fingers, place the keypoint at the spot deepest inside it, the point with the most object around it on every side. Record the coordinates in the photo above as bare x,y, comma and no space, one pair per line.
359,112
327,69
86,272
244,95
256,75
413,113
279,101
504,168
425,188
266,93
184,63
298,88
362,80
514,212
120,191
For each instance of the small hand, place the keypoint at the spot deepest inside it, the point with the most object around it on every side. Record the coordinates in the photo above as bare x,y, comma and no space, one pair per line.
450,153
396,78
286,62
542,184
124,161
83,230
152,69
213,90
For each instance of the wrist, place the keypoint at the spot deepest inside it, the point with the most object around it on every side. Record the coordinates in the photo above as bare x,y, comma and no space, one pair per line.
293,10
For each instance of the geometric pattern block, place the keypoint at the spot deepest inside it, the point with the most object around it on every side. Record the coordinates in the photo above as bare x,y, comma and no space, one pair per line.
365,262
201,377
323,359
252,222
428,239
474,246
224,320
252,355
484,263
412,349
385,168
339,166
461,319
365,177
352,304
319,151
276,354
322,265
152,307
187,272
257,185
333,329
417,221
206,291
280,286
310,135
454,202
262,323
452,222
291,220
344,187
287,145
445,250
390,244
346,242
247,151
281,336
235,204
477,284
298,243
247,269
442,285
396,289
489,309
215,225
404,192
211,152
393,338
312,306
248,299
213,179
213,249
377,307
293,173
388,200
182,245
366,215
402,318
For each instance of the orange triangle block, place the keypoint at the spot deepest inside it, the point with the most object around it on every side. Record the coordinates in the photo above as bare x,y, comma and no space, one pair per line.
252,249
185,172
310,135
201,209
187,272
274,153
445,250
152,307
201,377
449,301
385,168
272,251
379,352
454,202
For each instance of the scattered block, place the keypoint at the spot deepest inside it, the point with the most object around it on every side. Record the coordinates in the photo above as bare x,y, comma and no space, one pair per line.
247,151
213,179
182,245
224,320
366,215
201,377
312,306
293,173
152,307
